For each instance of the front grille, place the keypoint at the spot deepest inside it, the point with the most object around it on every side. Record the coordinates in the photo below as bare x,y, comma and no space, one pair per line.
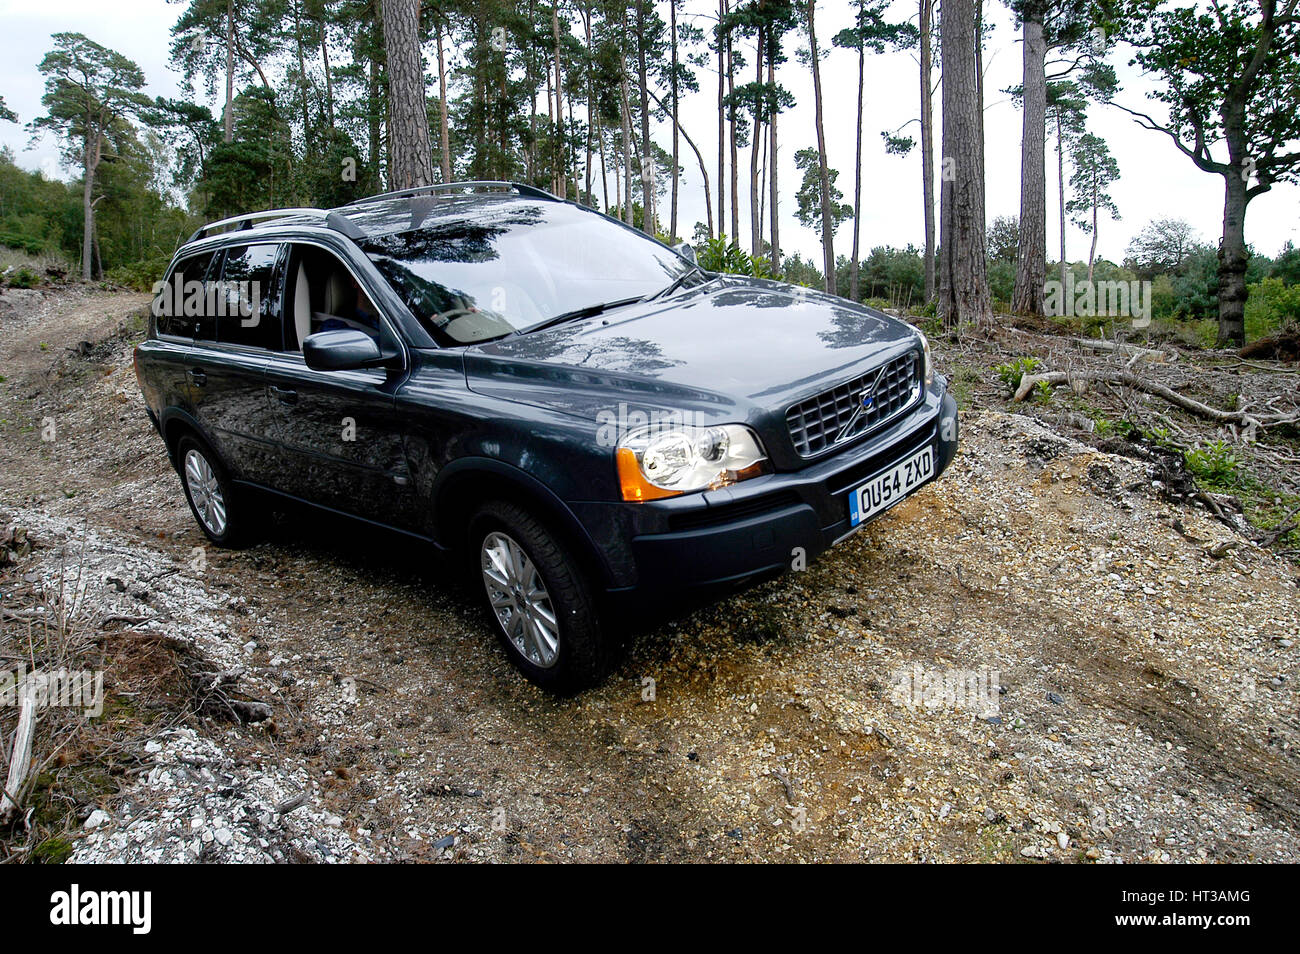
817,423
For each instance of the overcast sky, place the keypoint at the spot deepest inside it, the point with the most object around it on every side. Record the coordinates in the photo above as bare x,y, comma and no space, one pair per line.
1156,180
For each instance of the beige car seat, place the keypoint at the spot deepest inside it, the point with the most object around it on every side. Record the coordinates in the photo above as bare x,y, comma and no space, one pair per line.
302,305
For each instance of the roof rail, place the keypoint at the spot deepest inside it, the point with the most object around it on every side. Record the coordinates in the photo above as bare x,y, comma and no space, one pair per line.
531,191
333,220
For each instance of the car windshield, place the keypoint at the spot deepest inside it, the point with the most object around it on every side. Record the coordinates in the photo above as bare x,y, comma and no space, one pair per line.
505,267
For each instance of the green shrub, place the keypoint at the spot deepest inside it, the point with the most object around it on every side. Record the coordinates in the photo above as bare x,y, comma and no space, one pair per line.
718,255
1213,464
139,276
1270,305
25,243
1011,373
23,277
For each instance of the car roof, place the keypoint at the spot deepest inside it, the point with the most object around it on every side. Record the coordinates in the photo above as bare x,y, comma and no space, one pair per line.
381,215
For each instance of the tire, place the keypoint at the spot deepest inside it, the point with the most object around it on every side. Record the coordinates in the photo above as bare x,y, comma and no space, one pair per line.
554,638
220,509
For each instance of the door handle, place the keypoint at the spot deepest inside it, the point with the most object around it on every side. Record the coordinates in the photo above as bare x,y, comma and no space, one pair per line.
198,376
285,395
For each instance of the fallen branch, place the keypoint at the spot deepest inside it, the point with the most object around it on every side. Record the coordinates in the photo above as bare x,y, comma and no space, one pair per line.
1126,378
21,758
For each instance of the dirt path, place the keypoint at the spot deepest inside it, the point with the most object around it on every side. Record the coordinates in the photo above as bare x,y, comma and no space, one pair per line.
1148,706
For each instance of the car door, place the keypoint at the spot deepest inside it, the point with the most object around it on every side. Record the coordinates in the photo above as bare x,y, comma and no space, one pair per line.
234,337
341,444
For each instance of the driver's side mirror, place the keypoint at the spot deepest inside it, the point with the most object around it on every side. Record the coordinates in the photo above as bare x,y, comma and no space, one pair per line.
344,349
687,251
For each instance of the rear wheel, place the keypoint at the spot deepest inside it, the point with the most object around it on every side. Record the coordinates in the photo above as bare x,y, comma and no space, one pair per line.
221,511
539,600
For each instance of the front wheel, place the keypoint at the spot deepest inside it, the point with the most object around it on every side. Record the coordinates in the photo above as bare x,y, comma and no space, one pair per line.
539,600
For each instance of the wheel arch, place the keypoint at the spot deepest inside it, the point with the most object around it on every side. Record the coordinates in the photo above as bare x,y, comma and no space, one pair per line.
466,484
174,425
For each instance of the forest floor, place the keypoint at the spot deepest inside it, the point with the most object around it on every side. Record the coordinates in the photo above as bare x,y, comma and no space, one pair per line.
1144,649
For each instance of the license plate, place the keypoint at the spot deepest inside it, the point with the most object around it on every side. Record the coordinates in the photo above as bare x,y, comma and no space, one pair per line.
890,486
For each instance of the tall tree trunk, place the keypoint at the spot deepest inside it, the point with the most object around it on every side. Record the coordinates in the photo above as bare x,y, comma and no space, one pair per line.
672,30
302,75
722,124
444,131
772,178
1092,252
591,108
373,107
562,173
927,141
604,173
857,176
1031,248
325,61
1061,267
647,147
89,163
735,161
229,113
755,213
408,134
1233,259
823,170
628,217
963,281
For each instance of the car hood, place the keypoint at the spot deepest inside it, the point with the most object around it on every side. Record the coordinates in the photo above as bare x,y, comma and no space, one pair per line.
724,349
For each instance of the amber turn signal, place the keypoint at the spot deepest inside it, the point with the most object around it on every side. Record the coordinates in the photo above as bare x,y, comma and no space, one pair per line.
635,487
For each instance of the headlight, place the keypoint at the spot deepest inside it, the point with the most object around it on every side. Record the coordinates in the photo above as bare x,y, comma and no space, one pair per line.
929,360
654,462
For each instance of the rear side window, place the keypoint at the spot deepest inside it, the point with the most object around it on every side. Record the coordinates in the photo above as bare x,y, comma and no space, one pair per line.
248,299
181,302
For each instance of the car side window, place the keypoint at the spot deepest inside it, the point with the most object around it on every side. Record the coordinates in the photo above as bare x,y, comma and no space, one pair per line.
322,295
248,298
181,302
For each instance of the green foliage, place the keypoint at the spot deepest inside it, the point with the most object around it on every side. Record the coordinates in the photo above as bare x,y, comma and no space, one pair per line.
1270,305
797,270
1003,239
1214,465
895,275
1108,428
1002,282
718,255
808,199
1202,59
1162,437
23,277
1095,170
141,275
1011,372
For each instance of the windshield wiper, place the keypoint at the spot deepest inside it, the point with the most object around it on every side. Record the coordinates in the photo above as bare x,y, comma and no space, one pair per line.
585,312
676,284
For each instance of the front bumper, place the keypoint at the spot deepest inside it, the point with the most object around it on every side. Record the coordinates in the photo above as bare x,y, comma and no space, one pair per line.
770,524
